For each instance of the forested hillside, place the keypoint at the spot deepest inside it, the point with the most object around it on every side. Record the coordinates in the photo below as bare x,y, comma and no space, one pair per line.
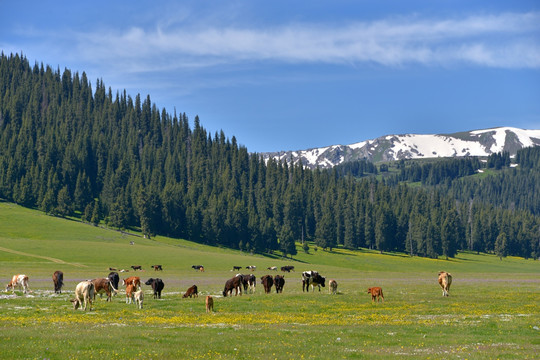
70,148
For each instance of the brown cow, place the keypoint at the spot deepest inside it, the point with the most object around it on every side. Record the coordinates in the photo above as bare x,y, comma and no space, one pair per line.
332,286
234,284
267,281
192,291
132,280
279,282
209,304
445,280
58,280
376,292
103,285
157,267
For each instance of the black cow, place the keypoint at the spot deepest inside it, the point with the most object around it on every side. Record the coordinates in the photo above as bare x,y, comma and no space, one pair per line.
136,267
267,281
157,285
236,268
287,268
197,267
249,281
58,280
114,278
236,284
157,267
312,278
279,282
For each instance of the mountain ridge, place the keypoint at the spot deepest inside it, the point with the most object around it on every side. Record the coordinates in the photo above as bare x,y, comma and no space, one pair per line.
483,142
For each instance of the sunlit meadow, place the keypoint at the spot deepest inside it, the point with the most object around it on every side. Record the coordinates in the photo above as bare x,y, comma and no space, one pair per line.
493,310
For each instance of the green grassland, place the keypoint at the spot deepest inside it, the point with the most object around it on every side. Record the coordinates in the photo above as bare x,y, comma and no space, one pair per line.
493,310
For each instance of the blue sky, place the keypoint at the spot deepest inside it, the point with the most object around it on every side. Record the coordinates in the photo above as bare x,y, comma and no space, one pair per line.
286,75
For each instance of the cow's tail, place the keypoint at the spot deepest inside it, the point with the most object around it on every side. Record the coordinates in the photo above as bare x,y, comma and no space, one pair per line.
112,287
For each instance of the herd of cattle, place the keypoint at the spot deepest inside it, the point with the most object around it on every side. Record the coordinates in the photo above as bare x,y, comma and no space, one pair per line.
86,291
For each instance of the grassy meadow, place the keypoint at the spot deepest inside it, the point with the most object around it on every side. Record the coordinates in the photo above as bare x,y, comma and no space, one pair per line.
493,311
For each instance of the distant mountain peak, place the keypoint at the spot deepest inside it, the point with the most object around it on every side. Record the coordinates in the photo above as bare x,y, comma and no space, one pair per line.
416,146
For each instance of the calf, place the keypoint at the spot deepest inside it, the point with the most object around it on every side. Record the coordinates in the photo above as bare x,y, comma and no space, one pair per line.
157,286
84,293
445,280
233,284
312,278
103,285
274,268
20,281
332,286
279,282
136,267
130,291
192,291
157,267
58,280
376,292
209,304
267,283
139,298
132,280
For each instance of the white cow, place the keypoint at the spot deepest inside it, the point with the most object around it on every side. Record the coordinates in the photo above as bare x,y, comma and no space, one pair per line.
139,298
84,293
20,281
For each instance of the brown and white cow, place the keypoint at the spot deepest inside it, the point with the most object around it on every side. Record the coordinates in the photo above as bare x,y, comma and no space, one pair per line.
332,286
58,280
267,281
103,285
130,293
192,291
376,292
445,280
132,280
84,293
20,281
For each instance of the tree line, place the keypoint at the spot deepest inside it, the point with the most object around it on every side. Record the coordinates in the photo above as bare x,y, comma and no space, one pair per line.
73,149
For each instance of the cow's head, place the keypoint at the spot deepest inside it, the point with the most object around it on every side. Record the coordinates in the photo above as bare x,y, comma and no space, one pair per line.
76,303
322,280
150,281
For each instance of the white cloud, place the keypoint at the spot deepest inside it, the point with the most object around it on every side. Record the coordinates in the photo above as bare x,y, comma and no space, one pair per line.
508,40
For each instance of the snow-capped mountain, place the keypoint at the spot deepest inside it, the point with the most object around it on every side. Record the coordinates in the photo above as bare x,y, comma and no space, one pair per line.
415,146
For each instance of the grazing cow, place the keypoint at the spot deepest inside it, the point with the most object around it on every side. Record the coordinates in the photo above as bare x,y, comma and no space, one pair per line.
157,267
332,286
445,280
273,268
84,293
113,269
18,280
157,286
376,292
279,282
197,267
139,298
251,267
287,268
251,280
136,267
312,278
234,284
192,291
58,280
103,285
267,283
132,280
209,304
114,278
130,293
236,268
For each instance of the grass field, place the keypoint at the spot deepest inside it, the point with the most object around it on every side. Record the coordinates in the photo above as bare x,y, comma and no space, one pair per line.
493,310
